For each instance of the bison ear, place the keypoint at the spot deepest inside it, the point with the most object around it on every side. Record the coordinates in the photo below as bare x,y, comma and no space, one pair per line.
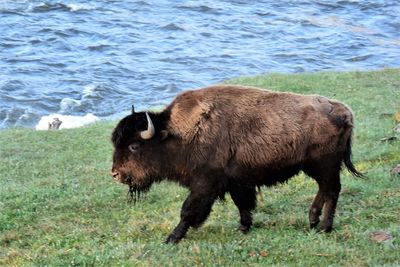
163,135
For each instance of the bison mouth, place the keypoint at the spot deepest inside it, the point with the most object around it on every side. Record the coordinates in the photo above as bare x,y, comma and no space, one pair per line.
137,191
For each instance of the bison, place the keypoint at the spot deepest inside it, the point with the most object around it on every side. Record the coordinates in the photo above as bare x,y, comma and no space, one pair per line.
230,138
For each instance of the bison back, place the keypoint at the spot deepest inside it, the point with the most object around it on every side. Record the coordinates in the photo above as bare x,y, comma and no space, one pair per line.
257,128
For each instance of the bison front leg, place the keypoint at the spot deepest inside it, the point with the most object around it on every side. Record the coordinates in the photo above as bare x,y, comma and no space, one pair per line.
244,198
315,209
194,212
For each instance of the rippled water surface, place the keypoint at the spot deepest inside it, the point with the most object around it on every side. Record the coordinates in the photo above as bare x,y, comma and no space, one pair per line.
78,57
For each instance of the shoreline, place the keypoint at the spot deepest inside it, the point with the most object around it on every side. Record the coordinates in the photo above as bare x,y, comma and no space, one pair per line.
75,121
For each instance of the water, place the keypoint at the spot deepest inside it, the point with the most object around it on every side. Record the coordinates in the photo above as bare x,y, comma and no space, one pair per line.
99,57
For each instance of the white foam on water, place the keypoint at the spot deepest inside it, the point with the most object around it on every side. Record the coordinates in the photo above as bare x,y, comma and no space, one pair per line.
89,90
78,7
68,104
68,121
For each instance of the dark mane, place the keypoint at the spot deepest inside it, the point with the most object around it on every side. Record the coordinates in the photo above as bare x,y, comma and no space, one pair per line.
133,123
123,130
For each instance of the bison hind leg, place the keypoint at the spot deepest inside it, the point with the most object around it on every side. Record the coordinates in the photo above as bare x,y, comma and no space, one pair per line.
327,174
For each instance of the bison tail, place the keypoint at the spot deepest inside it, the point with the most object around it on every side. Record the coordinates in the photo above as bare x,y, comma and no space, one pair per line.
348,163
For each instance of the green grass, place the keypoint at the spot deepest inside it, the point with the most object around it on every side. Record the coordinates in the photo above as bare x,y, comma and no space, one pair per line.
60,207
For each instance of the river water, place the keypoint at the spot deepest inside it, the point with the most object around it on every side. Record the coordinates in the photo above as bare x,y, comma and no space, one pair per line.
99,57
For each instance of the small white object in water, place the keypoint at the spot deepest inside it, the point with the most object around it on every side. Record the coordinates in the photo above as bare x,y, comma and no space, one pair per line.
67,121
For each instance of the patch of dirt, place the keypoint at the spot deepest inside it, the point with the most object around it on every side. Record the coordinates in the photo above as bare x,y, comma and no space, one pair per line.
380,236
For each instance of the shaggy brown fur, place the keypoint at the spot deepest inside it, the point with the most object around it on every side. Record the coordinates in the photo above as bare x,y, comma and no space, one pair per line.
231,139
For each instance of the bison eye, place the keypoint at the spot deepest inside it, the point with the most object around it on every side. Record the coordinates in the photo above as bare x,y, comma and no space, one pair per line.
134,147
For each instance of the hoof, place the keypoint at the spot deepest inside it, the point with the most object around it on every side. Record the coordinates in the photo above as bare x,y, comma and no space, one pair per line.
172,240
326,229
244,229
313,225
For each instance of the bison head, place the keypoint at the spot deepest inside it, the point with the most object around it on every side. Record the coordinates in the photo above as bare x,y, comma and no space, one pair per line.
137,150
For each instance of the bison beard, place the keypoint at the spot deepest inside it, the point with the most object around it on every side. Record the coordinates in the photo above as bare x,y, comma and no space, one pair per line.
136,193
232,139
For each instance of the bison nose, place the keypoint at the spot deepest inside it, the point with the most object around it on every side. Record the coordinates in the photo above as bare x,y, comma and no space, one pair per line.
115,174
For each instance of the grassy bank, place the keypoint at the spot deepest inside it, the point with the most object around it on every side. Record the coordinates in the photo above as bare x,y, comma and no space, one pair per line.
59,206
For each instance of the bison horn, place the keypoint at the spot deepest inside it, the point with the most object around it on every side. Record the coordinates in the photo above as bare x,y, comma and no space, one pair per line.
133,109
149,133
